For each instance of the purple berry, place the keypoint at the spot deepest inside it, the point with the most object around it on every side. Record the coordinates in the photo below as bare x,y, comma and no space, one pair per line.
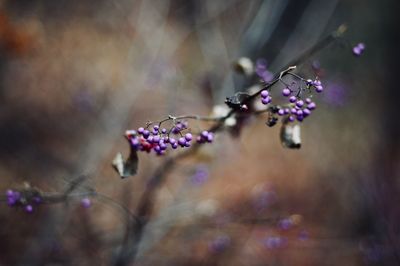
146,133
181,141
286,92
210,137
357,51
317,82
292,99
172,141
140,130
204,134
86,203
10,193
164,130
308,100
291,118
37,199
319,88
311,106
306,112
174,146
285,224
264,94
28,208
293,110
156,139
281,112
299,113
266,100
287,111
299,103
188,136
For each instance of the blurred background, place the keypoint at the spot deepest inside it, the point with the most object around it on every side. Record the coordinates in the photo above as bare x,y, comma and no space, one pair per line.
74,75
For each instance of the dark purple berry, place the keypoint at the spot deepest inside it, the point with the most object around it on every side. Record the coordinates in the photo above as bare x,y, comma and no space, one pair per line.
264,94
311,106
188,136
299,103
286,92
28,208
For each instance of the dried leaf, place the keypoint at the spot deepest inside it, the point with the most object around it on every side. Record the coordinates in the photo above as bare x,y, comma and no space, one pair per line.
126,168
236,101
290,136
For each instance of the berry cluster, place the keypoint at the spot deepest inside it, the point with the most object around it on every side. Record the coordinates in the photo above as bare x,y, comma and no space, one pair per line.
159,139
24,199
297,107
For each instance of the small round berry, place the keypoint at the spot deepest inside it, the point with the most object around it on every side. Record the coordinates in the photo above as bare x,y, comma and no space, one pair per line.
292,99
299,112
10,193
308,100
293,111
172,141
181,141
210,137
264,94
174,146
357,51
281,112
286,92
299,103
309,82
187,144
163,146
266,100
317,82
150,139
204,134
287,111
199,139
156,128
37,199
135,142
140,130
164,130
146,133
306,112
311,106
86,203
28,208
291,118
319,88
156,139
188,136
157,148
